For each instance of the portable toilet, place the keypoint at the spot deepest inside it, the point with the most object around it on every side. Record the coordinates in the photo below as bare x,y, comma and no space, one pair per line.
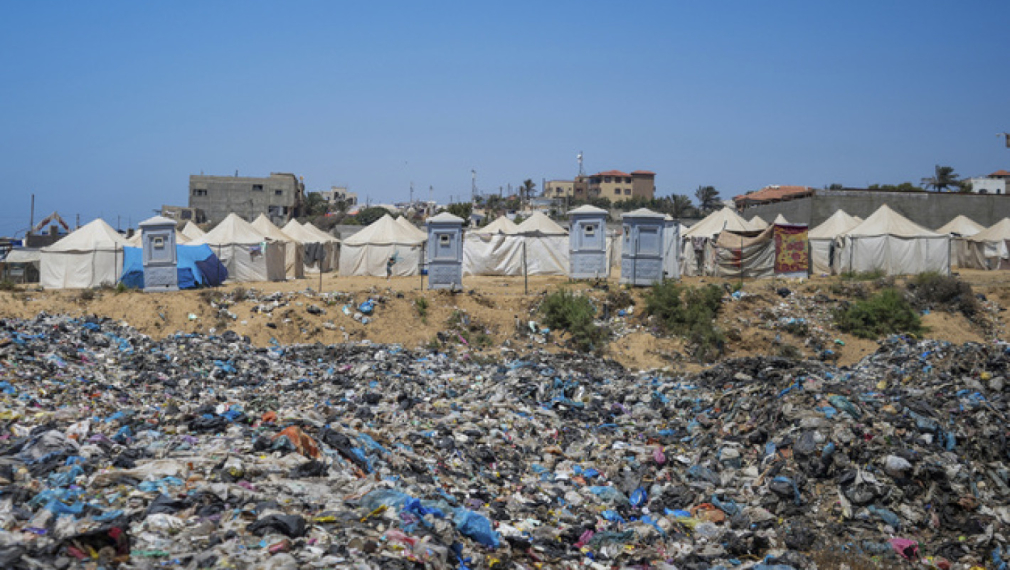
445,252
157,238
671,249
587,243
643,247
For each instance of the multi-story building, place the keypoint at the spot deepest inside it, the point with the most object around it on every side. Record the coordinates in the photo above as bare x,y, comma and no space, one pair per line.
182,215
279,196
996,183
559,188
338,194
616,185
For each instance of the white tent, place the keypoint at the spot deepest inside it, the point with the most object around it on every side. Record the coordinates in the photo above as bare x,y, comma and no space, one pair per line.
781,220
89,257
541,242
961,225
416,231
698,250
540,224
758,223
366,252
248,254
962,252
824,258
501,225
890,242
315,247
989,248
294,265
192,231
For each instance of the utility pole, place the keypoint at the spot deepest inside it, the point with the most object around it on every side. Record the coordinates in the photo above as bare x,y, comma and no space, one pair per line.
31,216
473,185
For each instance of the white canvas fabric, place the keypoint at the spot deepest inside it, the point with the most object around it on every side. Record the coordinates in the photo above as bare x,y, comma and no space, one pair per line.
781,220
247,254
192,231
294,265
418,232
757,223
502,254
538,223
962,226
823,258
500,225
890,242
90,256
671,249
986,249
716,222
304,236
366,252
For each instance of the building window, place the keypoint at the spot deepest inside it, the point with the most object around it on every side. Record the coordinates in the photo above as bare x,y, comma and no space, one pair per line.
278,192
627,191
617,191
186,215
257,187
628,179
606,179
199,192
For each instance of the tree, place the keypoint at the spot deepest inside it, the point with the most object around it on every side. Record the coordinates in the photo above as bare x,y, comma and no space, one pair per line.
369,215
680,206
964,186
315,204
461,209
943,177
708,198
526,190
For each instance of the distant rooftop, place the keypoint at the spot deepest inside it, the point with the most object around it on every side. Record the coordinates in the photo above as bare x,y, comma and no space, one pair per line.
774,194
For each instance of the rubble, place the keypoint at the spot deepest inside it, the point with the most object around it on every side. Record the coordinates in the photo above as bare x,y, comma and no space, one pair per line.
195,451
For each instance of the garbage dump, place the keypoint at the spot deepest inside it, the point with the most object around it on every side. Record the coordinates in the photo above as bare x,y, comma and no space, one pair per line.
196,451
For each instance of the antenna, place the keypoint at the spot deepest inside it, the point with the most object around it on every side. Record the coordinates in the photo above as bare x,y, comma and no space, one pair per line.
581,171
473,185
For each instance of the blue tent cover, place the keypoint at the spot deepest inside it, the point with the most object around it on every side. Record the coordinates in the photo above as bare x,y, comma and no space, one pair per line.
197,267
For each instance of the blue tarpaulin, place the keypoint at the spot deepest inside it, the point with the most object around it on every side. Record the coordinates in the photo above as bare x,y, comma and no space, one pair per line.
197,267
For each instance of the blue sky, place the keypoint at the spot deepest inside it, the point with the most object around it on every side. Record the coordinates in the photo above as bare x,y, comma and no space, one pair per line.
106,108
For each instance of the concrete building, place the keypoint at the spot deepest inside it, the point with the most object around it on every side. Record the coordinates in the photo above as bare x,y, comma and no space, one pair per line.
278,196
339,194
182,215
616,185
996,183
559,189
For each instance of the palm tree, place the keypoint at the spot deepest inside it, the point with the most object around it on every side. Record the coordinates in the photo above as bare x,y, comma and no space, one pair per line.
680,206
526,190
943,177
708,198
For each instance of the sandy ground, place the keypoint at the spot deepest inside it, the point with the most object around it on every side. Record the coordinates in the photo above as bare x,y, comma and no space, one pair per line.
492,305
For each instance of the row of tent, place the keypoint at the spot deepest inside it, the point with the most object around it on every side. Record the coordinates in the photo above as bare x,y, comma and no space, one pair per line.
885,241
96,254
722,244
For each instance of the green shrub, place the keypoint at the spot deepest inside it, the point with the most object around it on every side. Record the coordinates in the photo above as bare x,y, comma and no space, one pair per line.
885,313
689,312
6,285
421,304
932,290
563,310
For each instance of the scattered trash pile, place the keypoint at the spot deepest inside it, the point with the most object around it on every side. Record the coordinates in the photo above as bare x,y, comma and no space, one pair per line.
207,452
